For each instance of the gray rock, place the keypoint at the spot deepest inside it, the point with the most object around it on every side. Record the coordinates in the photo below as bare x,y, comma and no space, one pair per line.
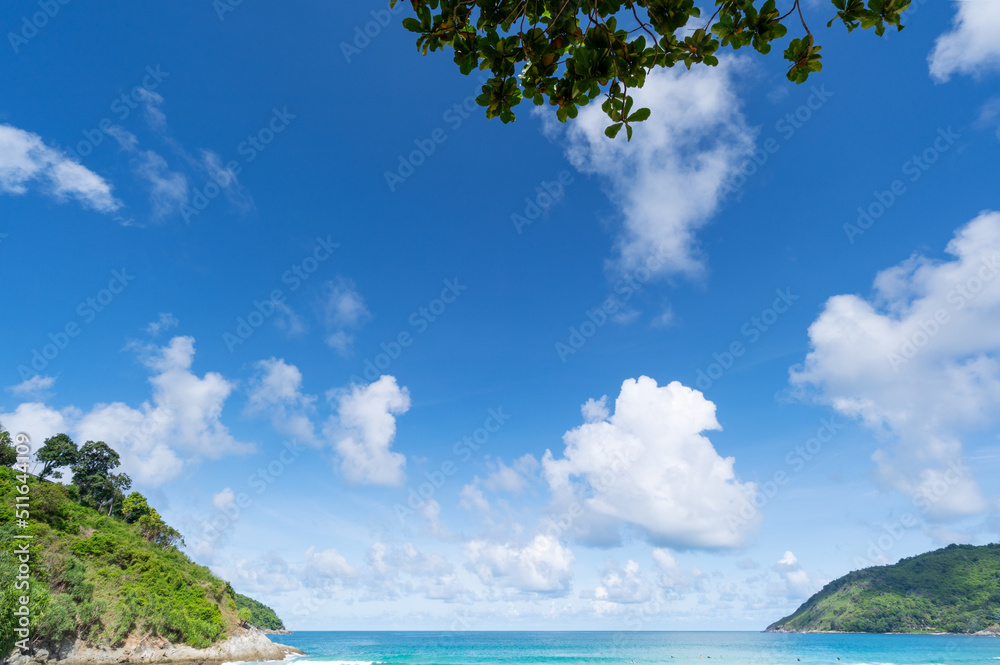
247,644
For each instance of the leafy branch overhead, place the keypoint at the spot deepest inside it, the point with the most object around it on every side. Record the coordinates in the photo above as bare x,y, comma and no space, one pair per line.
569,52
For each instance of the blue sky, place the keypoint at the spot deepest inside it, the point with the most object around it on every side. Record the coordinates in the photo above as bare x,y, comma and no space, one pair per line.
208,267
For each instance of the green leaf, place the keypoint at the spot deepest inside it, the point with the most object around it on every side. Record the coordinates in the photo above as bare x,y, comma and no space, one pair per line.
639,116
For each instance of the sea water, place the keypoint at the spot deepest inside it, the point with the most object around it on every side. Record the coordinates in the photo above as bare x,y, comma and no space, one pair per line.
638,648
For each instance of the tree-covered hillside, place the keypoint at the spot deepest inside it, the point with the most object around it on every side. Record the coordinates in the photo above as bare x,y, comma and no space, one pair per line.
103,565
260,615
951,590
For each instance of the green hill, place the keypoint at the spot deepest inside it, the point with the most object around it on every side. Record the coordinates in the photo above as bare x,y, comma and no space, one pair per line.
102,578
261,615
951,590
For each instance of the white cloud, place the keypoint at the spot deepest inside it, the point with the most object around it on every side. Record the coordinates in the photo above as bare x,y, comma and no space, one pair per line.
227,179
341,342
675,577
276,383
595,410
287,320
797,581
267,574
511,479
343,305
918,362
38,420
664,319
165,322
431,511
35,386
343,309
989,116
180,425
399,570
364,429
276,391
623,585
472,498
649,467
24,158
224,500
543,566
326,567
971,45
151,102
168,190
667,180
126,139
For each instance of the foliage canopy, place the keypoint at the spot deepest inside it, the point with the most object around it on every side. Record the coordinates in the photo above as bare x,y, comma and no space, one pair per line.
571,51
59,451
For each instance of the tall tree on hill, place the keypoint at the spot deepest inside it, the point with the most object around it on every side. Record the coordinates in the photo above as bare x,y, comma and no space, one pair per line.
8,456
92,474
59,451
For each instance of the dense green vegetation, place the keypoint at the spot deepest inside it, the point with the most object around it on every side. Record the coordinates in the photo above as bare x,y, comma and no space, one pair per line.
951,590
101,576
259,614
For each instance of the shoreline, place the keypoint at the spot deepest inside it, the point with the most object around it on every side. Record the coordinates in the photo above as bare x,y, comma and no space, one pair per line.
246,644
989,632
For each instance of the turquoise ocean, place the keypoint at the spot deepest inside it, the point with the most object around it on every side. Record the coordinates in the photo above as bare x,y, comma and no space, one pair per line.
639,648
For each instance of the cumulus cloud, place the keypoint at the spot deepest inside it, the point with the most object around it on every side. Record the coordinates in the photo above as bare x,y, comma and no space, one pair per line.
276,390
25,159
179,425
38,420
797,581
918,364
648,467
541,567
668,182
364,428
971,45
595,410
361,430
